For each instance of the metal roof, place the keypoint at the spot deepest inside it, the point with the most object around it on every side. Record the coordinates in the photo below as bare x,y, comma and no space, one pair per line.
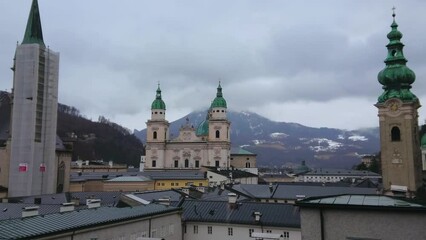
368,201
273,214
340,172
283,191
130,179
240,151
30,227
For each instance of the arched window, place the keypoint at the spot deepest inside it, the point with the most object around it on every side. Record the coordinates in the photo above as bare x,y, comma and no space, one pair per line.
154,135
217,134
395,134
247,164
186,163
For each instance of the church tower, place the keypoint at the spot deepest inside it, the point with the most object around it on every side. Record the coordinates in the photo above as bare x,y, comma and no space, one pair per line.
33,168
219,132
399,140
157,133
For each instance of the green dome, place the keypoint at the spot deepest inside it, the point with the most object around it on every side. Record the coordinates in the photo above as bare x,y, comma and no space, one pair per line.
396,77
158,103
203,128
219,101
423,142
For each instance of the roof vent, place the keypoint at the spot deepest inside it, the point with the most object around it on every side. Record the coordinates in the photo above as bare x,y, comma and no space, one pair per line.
257,216
67,207
30,211
164,201
93,203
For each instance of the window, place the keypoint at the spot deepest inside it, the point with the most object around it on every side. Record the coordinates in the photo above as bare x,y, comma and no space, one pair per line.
251,230
154,163
197,164
209,230
186,163
230,232
176,164
195,229
163,184
154,135
173,184
217,163
217,134
247,164
268,231
177,184
200,184
154,233
395,134
286,235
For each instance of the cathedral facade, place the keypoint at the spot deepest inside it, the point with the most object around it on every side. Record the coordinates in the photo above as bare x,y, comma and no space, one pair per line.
207,145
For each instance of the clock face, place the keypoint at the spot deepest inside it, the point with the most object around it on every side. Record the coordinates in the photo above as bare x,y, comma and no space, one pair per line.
394,106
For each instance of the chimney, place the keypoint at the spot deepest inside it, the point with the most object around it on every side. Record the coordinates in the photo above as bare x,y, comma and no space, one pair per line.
30,211
271,187
257,216
93,203
232,198
87,162
75,201
110,164
67,207
185,190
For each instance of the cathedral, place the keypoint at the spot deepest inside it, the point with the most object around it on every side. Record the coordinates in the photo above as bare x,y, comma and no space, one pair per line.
207,145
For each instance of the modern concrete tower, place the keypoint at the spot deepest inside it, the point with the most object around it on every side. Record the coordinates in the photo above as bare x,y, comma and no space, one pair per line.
399,131
33,168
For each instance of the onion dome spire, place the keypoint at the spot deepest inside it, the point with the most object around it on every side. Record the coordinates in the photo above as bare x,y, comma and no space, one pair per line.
396,77
33,32
158,103
219,101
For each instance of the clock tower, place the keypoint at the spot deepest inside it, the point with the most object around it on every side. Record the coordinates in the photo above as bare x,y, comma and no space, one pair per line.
398,116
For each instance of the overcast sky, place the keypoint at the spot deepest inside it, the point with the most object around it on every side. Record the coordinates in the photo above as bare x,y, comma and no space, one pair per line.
310,62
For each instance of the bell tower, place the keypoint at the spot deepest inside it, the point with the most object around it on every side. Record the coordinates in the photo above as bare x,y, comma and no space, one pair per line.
398,116
219,132
157,133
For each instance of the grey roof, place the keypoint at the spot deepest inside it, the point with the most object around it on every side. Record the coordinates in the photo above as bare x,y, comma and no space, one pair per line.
30,227
155,175
155,195
130,179
291,191
340,172
218,194
107,198
284,191
363,201
254,190
47,199
236,173
273,214
14,210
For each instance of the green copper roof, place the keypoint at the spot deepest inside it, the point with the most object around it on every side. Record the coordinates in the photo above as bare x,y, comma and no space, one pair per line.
158,103
423,142
396,77
33,32
203,128
219,101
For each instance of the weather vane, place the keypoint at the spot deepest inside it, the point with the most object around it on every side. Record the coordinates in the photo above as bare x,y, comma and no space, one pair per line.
393,12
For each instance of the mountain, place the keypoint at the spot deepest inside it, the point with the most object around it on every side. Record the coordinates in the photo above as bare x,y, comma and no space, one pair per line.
287,144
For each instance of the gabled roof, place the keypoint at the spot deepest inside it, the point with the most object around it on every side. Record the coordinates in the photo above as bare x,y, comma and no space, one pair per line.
273,214
31,227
